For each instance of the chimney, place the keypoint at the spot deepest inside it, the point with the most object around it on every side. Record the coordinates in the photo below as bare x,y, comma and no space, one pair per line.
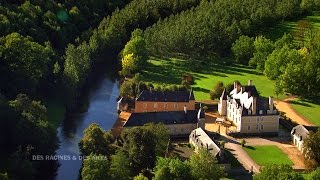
250,82
185,109
238,87
254,106
271,103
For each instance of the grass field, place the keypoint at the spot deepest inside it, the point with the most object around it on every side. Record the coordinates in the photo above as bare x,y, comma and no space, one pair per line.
265,155
308,110
206,75
278,30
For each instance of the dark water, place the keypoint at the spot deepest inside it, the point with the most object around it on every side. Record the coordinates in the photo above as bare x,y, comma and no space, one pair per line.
101,109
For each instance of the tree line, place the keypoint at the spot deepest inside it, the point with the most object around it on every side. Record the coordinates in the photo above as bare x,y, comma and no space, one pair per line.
109,39
209,29
294,65
33,37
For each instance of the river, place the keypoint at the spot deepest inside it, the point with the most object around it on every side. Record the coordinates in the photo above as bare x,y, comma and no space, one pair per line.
101,109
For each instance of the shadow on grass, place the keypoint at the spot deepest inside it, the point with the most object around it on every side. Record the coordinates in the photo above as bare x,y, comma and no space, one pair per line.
201,89
250,147
300,103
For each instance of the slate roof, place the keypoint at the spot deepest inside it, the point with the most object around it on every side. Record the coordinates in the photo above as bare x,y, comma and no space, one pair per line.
166,96
167,118
206,140
252,89
303,131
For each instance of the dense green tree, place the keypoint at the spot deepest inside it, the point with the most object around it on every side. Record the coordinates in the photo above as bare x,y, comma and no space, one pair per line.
95,140
143,144
95,168
204,165
33,121
217,90
285,40
140,144
315,174
277,61
120,166
129,64
243,49
161,134
263,47
281,172
136,46
24,63
140,176
210,29
311,148
134,53
167,168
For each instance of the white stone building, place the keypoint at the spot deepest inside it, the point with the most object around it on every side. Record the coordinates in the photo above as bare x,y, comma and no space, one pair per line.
248,111
199,139
299,133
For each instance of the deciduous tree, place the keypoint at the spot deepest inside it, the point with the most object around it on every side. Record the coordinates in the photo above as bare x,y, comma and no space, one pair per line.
204,165
96,141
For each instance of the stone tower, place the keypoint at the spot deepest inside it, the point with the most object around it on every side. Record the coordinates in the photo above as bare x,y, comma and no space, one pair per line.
222,106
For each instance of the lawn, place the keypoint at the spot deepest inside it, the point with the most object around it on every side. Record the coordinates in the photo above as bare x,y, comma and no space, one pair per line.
266,155
308,110
278,30
206,75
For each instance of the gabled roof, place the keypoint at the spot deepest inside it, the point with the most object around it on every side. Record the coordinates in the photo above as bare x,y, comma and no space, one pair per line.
303,131
252,89
170,117
206,141
224,94
166,96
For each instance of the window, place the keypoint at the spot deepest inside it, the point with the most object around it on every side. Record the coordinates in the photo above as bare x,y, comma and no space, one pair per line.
155,105
248,128
175,106
261,127
166,106
258,118
261,119
257,126
144,105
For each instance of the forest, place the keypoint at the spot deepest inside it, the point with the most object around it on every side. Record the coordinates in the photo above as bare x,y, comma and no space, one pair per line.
54,48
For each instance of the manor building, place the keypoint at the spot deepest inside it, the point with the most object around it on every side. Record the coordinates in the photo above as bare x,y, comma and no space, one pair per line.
158,101
250,112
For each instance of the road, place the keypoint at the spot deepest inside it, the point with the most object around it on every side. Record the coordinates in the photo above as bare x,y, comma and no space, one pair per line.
285,106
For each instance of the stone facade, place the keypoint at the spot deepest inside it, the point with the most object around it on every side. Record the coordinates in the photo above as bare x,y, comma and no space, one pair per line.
249,112
150,106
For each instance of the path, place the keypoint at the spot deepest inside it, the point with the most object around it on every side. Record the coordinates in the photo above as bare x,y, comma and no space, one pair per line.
236,149
232,145
285,106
